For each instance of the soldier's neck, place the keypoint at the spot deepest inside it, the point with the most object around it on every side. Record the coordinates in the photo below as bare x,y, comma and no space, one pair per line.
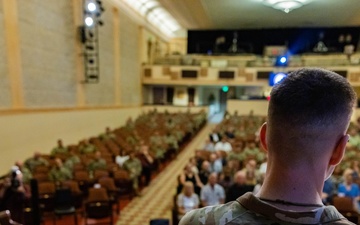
295,186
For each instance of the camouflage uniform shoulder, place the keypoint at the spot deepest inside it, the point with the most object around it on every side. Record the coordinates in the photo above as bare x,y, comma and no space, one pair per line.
249,210
219,214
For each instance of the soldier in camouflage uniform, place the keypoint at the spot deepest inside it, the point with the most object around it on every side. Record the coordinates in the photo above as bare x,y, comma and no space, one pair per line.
157,145
133,166
73,159
35,161
305,138
108,134
87,147
59,172
60,149
98,163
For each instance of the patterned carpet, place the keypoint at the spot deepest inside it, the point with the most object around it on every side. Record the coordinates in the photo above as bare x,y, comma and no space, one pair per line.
157,199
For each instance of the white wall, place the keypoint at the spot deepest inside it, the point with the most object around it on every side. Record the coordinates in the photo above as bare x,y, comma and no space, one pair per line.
244,107
22,134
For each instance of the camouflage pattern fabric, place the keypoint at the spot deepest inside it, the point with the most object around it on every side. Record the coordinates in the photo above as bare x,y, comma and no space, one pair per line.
249,210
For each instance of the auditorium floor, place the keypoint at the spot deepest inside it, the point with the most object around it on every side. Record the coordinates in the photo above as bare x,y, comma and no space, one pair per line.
157,199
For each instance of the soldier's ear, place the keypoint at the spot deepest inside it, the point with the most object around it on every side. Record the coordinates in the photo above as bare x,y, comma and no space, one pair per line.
263,137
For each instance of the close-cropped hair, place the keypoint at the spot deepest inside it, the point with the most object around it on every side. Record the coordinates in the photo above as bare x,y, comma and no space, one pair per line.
311,97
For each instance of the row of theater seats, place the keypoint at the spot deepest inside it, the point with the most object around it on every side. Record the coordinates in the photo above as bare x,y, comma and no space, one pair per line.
91,192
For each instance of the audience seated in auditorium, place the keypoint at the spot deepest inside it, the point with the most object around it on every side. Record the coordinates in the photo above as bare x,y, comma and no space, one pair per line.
86,147
239,187
59,149
171,142
354,140
133,166
204,172
252,151
212,193
193,163
215,136
223,145
59,172
348,188
147,163
209,145
26,173
251,171
187,200
157,144
72,159
108,134
98,163
120,159
329,190
35,161
295,162
229,133
189,175
215,163
13,193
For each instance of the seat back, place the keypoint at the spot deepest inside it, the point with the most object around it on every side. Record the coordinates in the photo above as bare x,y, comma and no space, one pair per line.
98,195
100,173
81,175
344,204
98,210
63,199
47,188
73,186
108,183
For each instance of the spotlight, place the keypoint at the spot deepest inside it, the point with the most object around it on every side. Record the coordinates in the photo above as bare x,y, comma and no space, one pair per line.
276,78
281,61
91,7
89,21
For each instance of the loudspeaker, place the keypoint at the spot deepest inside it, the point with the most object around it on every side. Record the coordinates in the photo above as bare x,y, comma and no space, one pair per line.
82,34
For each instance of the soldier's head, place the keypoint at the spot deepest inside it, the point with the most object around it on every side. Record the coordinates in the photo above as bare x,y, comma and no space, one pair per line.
108,130
144,148
188,188
213,179
132,155
37,155
212,157
60,143
240,178
19,164
97,155
308,116
205,166
58,162
251,164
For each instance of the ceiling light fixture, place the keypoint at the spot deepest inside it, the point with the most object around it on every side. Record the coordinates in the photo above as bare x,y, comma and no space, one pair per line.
285,5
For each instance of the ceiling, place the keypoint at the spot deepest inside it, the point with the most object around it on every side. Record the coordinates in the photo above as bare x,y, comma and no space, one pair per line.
237,14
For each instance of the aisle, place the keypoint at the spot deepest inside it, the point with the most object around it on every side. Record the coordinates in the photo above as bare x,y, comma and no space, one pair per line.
157,199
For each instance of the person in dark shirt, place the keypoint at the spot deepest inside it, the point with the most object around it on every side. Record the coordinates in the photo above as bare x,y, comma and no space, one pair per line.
239,187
